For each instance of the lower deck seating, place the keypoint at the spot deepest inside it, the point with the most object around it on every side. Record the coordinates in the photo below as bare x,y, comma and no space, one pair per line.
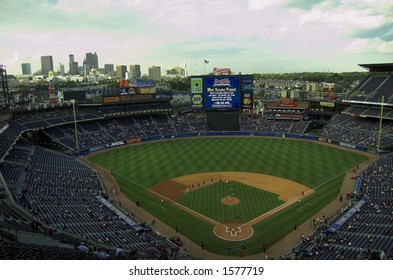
368,234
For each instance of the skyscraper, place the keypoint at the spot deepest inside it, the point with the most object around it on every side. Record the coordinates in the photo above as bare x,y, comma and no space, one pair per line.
70,62
86,69
109,69
121,71
46,64
73,65
155,73
91,60
60,69
135,71
26,69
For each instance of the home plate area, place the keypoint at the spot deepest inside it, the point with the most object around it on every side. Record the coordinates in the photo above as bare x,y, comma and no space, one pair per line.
233,231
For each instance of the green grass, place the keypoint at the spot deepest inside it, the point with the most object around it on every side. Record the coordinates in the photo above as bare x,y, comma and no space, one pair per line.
253,202
139,167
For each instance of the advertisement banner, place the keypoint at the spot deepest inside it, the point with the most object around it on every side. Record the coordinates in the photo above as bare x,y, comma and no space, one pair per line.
164,95
142,97
125,97
111,99
221,92
115,144
327,104
123,91
247,91
141,83
146,90
98,148
133,141
126,90
196,85
197,101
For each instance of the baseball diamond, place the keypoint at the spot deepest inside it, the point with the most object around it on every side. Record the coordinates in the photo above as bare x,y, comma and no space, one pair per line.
200,181
226,182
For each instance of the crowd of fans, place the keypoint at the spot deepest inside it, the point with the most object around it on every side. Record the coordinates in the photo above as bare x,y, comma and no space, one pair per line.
62,193
106,131
59,195
368,233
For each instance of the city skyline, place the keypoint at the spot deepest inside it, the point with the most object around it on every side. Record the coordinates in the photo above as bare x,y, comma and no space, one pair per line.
248,36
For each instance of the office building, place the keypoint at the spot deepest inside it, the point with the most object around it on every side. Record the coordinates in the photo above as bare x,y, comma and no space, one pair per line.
26,69
91,60
73,65
121,71
46,64
60,69
135,71
155,73
109,69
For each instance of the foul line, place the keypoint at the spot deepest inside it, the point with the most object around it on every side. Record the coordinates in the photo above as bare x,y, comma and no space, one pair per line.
271,212
195,213
159,206
320,185
288,203
300,209
126,179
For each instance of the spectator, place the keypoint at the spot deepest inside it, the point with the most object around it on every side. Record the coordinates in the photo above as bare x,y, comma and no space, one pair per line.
119,251
83,248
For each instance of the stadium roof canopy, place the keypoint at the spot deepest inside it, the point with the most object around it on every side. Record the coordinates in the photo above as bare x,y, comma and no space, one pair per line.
378,67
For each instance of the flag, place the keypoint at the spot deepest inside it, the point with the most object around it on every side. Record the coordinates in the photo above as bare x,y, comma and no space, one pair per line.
206,61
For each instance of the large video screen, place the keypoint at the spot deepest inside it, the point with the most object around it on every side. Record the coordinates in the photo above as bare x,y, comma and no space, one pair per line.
221,92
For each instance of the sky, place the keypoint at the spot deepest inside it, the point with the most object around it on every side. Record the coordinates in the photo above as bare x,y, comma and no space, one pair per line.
248,36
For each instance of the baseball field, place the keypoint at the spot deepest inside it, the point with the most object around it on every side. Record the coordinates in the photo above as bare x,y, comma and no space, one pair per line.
227,193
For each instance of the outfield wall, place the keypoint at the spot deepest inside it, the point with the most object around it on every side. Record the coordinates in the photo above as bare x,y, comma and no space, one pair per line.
227,133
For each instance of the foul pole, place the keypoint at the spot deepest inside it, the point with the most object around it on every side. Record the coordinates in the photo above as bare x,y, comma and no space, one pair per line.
76,128
380,125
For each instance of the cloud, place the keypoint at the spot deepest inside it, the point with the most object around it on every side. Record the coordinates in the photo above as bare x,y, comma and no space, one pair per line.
384,32
385,47
367,24
228,32
342,18
301,4
369,46
262,4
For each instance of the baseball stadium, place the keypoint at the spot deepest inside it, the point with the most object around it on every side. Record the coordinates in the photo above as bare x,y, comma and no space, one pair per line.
218,172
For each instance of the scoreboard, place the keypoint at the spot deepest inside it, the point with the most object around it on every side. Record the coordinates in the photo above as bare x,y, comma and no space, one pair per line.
222,92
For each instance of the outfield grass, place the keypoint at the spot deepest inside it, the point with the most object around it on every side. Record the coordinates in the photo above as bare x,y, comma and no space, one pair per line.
321,167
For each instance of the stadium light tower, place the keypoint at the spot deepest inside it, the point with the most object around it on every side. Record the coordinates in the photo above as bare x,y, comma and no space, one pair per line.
73,101
4,84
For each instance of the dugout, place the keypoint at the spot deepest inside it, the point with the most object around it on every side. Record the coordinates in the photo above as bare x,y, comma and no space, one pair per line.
223,120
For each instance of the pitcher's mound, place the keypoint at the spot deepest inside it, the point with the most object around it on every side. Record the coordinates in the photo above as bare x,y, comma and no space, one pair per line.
230,200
